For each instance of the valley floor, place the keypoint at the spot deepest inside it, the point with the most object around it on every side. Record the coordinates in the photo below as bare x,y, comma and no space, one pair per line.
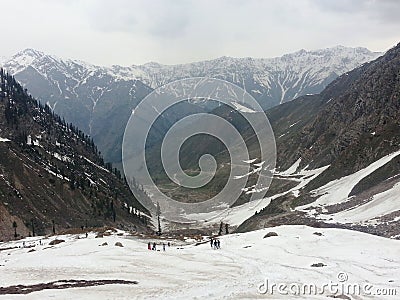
242,269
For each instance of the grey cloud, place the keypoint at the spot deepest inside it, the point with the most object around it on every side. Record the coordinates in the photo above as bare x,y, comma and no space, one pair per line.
384,11
170,19
177,31
159,18
111,16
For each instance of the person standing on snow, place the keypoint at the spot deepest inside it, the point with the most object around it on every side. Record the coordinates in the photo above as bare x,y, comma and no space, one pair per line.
215,244
154,246
149,245
211,242
163,246
218,244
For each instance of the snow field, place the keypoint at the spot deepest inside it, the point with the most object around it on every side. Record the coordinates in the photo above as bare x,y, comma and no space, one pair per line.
198,272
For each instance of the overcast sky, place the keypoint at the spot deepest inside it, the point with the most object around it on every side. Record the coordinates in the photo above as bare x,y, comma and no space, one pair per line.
129,32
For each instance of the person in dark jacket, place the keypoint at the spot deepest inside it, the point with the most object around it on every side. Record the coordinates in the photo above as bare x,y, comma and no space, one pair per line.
149,245
218,244
211,242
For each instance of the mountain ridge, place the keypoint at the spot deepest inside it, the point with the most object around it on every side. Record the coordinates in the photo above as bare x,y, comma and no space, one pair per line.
99,99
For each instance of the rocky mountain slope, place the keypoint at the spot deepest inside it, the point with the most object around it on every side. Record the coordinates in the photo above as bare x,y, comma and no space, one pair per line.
356,123
352,131
337,151
99,99
51,173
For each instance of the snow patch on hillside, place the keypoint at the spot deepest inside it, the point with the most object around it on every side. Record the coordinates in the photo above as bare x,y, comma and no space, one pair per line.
337,191
96,165
291,169
243,108
381,204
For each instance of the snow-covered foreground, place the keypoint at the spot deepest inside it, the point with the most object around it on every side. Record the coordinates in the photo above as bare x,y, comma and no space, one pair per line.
237,271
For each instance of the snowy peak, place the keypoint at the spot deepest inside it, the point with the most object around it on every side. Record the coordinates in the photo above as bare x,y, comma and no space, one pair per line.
46,64
22,60
337,51
3,59
30,52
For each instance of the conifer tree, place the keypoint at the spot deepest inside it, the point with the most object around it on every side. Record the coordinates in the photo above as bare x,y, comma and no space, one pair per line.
15,228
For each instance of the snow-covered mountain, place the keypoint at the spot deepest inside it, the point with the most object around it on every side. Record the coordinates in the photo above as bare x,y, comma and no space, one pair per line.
271,80
281,79
98,99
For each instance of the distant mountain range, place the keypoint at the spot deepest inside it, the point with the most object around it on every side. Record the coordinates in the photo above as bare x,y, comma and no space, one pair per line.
99,100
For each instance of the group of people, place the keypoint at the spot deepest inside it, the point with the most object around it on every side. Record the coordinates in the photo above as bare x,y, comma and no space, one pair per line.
154,246
30,245
215,243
